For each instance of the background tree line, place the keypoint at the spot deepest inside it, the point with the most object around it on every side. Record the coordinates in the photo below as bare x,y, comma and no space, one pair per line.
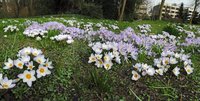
111,9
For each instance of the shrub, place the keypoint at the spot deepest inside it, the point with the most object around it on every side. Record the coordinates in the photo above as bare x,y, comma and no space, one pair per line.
92,10
171,30
2,14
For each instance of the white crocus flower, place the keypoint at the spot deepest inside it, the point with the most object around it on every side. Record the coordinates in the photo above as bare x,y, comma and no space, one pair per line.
167,53
105,46
165,61
157,61
116,53
9,64
144,73
160,71
52,38
40,59
187,62
135,76
150,71
111,55
164,54
25,51
42,71
30,65
107,65
98,56
60,37
38,38
176,71
1,76
137,66
114,46
177,55
184,57
99,63
6,84
107,58
25,59
173,60
19,64
28,77
189,69
118,60
36,52
98,50
90,44
70,41
5,36
145,66
160,66
92,58
48,64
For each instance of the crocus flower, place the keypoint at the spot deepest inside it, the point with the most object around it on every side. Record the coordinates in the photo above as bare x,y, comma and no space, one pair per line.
9,64
19,64
135,76
42,71
28,77
6,84
176,71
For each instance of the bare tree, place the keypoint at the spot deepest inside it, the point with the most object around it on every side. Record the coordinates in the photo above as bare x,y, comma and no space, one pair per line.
196,5
122,10
4,4
17,7
160,11
30,7
119,7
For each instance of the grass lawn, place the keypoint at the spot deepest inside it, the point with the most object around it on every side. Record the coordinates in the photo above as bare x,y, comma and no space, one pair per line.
73,78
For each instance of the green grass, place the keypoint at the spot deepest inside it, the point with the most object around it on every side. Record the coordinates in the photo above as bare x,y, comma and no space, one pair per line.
73,78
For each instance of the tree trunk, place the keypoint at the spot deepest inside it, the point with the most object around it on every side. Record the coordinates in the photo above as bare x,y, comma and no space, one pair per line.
17,8
195,7
119,8
160,11
4,6
122,11
30,7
